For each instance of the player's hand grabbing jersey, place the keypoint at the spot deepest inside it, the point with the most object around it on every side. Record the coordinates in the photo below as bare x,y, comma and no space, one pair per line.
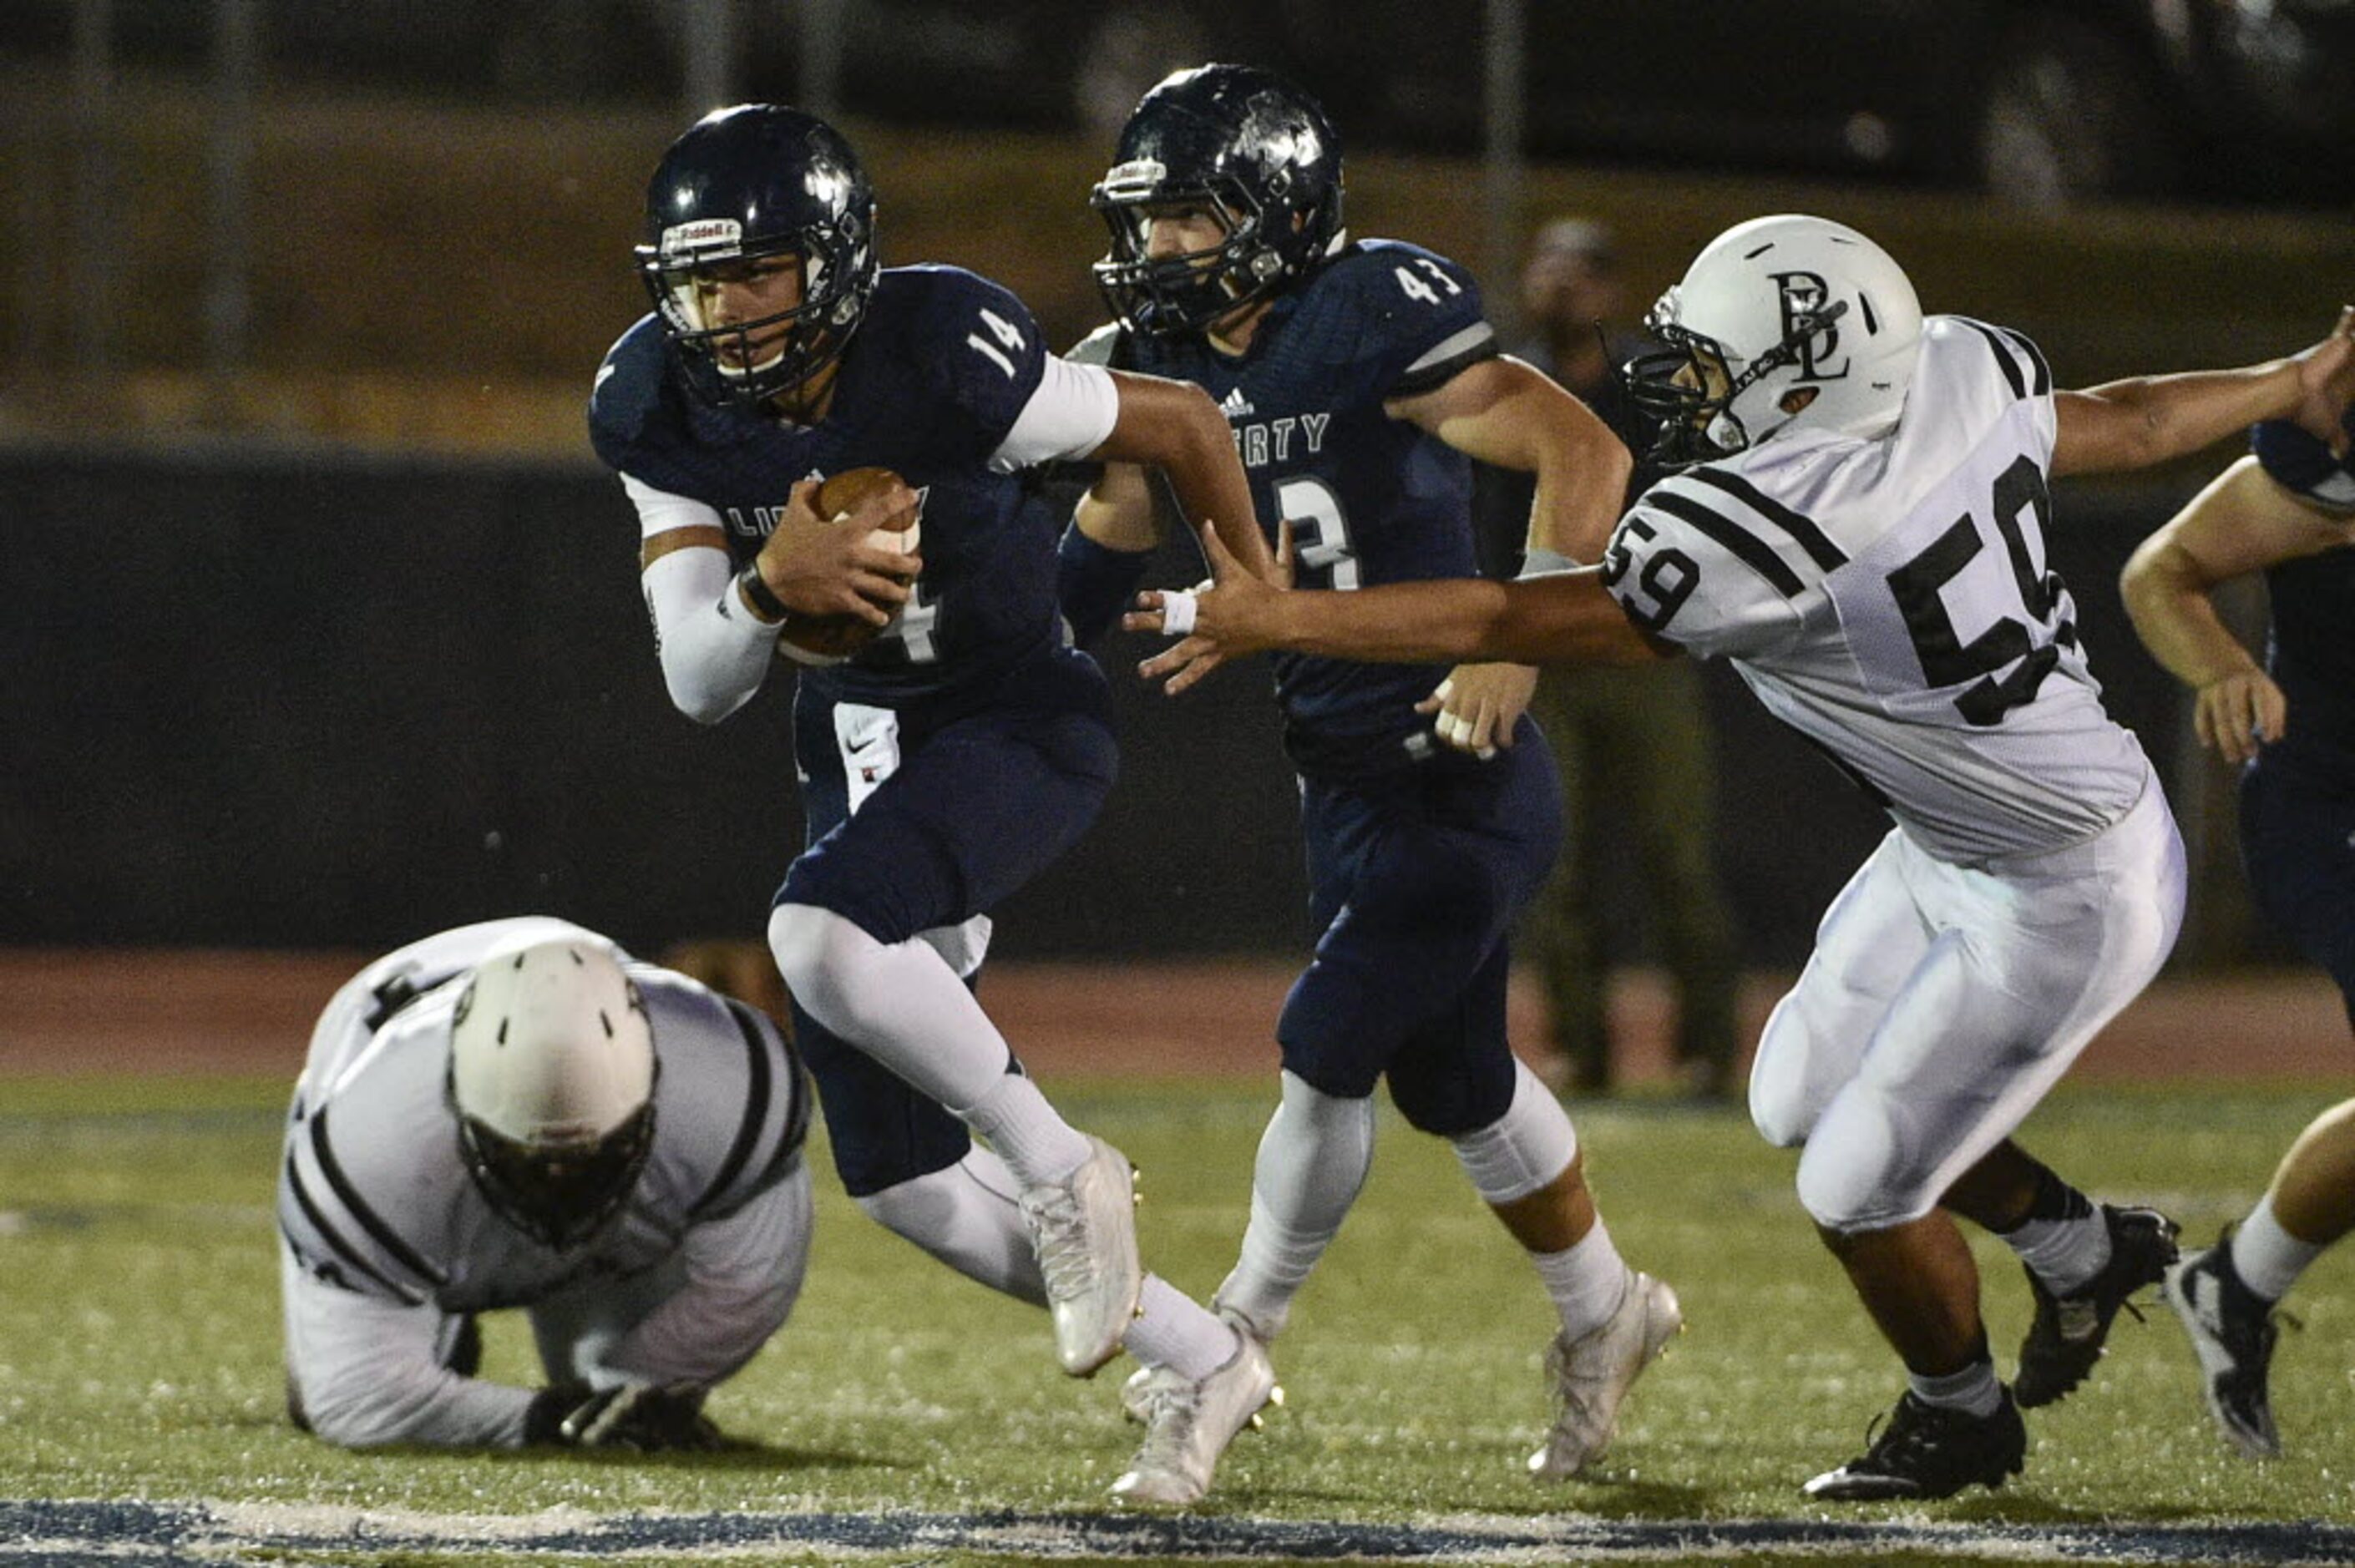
1370,499
1891,601
388,1237
935,386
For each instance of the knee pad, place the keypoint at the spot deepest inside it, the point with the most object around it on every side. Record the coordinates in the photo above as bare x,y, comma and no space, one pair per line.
1845,1178
1522,1150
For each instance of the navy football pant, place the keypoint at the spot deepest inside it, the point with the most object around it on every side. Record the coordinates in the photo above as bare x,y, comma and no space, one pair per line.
2297,842
1416,878
975,810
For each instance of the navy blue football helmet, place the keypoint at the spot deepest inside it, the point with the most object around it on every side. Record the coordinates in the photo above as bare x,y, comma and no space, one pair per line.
757,180
1252,147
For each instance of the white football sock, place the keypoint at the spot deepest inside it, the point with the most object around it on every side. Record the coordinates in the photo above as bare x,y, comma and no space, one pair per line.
1587,1280
2268,1258
1172,1329
965,1216
1974,1389
1037,1144
1313,1159
2066,1254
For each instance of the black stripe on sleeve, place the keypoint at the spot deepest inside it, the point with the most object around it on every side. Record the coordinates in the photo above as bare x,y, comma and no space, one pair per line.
370,1222
1751,551
2027,345
756,1109
1812,539
2003,355
333,1238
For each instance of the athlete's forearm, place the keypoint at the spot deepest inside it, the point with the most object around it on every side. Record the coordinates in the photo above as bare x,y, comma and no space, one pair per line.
2169,417
1567,618
2166,598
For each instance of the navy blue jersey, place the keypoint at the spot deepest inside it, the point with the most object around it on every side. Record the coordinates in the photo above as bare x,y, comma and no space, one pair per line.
935,376
2309,651
1372,499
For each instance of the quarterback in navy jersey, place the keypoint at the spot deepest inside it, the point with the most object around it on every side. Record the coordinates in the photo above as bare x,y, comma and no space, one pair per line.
2288,511
960,750
1361,378
1858,527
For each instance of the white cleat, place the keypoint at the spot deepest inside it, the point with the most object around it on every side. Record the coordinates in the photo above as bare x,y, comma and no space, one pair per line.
1591,1374
1084,1229
1187,1426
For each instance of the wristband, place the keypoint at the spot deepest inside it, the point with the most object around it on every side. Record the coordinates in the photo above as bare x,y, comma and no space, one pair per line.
1544,564
762,596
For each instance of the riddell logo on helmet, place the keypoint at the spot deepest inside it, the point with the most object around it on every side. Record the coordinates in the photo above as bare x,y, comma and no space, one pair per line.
1803,296
703,234
1137,176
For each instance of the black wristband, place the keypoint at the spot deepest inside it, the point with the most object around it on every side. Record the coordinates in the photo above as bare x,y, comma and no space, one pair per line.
760,595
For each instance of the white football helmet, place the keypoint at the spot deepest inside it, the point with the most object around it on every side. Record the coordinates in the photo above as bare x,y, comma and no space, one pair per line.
552,1076
1769,310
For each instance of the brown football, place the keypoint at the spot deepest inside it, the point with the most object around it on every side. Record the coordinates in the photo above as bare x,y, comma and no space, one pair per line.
830,638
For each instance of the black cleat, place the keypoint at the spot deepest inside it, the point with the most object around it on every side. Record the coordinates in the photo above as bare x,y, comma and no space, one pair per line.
1929,1451
2232,1328
2065,1340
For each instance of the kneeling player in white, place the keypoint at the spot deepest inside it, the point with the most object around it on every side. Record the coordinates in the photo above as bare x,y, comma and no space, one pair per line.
517,1114
1859,529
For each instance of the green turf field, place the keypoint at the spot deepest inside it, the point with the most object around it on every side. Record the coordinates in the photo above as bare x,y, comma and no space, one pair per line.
919,1419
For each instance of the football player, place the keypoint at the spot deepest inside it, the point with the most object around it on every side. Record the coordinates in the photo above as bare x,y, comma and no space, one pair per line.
517,1114
958,753
1362,377
2287,511
1859,528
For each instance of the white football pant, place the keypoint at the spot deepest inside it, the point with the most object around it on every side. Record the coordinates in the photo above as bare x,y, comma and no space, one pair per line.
1943,1003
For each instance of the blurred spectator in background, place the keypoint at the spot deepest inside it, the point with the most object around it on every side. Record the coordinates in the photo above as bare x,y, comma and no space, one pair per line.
1637,739
2289,512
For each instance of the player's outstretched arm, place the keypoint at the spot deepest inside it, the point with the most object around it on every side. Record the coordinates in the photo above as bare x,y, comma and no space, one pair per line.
2242,522
2148,419
1565,619
1175,426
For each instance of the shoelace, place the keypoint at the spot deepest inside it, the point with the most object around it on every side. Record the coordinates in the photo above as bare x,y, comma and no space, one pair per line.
1063,1254
1170,1405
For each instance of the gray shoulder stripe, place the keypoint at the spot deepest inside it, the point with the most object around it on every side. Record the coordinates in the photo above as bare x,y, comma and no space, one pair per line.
1744,545
1456,346
1800,527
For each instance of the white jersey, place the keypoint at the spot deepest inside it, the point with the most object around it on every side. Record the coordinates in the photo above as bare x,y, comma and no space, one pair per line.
388,1239
1891,599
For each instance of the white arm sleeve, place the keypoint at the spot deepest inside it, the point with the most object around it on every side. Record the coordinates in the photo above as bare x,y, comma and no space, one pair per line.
743,1275
366,1372
1069,416
714,654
